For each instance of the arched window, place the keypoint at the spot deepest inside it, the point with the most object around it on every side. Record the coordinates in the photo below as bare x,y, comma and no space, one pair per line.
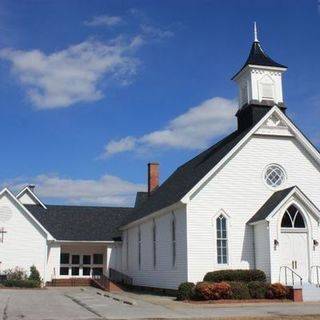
222,240
292,218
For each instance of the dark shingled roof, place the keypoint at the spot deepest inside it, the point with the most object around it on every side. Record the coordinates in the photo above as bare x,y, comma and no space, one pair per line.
259,58
78,223
186,177
270,205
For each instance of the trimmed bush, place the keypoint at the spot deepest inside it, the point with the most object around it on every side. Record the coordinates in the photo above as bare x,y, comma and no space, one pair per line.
213,291
185,291
34,275
235,275
277,291
21,283
240,290
258,289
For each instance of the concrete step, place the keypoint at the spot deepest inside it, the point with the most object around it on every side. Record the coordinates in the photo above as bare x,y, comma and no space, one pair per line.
310,292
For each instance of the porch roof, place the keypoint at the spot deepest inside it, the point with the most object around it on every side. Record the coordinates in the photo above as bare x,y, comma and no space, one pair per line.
81,223
270,205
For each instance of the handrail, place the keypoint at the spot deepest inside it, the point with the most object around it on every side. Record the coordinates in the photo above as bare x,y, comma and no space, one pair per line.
292,274
317,272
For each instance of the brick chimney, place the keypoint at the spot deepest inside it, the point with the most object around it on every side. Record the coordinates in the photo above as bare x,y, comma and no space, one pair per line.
153,176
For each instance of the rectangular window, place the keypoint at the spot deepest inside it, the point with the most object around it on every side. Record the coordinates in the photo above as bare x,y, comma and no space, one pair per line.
86,259
139,248
64,271
173,227
75,271
97,271
127,249
222,241
64,258
75,259
86,271
97,258
154,241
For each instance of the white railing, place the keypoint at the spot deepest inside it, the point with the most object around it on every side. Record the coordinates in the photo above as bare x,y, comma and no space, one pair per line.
289,274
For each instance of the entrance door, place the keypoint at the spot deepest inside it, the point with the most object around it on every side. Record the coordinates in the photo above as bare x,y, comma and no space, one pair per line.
294,254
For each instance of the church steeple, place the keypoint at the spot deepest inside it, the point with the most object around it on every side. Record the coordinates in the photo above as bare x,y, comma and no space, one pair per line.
260,79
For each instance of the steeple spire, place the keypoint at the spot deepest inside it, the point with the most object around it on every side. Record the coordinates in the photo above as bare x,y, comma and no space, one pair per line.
255,32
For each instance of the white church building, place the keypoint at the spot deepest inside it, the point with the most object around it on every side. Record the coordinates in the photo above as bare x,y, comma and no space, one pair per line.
251,201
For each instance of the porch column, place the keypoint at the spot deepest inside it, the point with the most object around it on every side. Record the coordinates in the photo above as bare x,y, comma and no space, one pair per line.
107,264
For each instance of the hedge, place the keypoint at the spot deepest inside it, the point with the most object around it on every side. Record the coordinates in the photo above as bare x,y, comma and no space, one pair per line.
235,275
240,290
186,291
21,283
258,289
213,291
277,291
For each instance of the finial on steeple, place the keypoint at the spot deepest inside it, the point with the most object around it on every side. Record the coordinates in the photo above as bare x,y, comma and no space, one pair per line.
255,32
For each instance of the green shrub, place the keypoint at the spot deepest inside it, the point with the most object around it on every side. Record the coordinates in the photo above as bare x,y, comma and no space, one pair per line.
34,275
21,283
185,291
277,291
240,290
235,275
258,289
213,291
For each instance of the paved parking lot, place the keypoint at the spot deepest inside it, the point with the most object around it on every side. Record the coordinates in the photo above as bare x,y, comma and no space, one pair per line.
90,304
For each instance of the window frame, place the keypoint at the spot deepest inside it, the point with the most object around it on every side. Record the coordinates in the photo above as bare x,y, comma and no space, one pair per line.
292,228
139,248
265,179
222,239
174,240
154,243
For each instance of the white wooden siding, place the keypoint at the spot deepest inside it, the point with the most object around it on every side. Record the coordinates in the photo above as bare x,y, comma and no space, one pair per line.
262,245
24,243
238,189
164,275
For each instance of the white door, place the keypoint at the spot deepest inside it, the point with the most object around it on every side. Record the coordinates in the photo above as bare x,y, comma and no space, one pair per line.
294,254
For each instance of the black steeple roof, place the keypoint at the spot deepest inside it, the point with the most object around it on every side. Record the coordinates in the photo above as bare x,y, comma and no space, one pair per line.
259,58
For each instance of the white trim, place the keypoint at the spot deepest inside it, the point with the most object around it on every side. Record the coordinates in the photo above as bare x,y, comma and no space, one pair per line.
305,200
32,194
306,144
6,190
84,241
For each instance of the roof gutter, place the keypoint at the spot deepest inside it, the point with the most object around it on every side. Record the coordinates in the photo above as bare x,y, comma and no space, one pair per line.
155,214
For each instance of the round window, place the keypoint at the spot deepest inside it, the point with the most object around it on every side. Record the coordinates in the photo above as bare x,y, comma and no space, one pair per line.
274,176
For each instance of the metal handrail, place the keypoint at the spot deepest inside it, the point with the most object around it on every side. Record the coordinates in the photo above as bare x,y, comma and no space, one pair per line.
292,274
317,272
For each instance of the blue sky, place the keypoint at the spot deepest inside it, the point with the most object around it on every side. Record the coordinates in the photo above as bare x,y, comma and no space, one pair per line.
90,91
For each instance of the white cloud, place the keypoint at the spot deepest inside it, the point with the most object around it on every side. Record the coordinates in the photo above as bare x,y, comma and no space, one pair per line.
194,129
104,20
72,75
108,190
156,33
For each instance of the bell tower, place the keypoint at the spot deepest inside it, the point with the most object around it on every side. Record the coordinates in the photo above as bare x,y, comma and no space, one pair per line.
260,85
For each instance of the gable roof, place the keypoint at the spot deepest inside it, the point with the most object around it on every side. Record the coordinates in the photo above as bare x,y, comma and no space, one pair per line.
276,198
80,223
31,194
258,57
185,177
22,207
188,177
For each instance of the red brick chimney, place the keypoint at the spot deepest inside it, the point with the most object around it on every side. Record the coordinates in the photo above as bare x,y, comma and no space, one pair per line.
153,176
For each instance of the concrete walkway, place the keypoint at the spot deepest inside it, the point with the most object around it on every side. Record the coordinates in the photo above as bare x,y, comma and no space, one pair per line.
91,303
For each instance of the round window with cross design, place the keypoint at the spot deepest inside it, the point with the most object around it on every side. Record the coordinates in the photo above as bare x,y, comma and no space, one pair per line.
274,176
